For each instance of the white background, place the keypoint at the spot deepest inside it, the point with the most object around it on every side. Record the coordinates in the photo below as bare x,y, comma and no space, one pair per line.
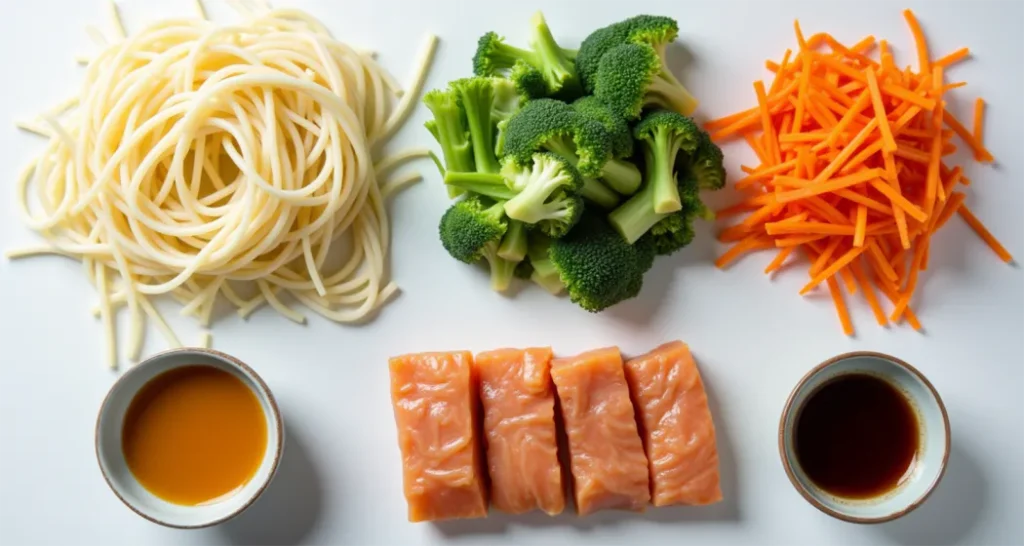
341,480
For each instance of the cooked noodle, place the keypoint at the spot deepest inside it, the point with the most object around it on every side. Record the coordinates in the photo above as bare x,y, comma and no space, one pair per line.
198,159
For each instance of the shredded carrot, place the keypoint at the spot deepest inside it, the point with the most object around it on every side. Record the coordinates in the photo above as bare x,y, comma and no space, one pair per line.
841,310
979,120
853,167
985,235
953,57
869,293
780,258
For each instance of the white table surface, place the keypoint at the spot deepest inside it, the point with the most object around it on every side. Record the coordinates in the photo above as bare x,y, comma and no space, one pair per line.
341,481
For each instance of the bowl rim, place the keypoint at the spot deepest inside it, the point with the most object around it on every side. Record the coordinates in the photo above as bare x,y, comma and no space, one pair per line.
275,416
789,408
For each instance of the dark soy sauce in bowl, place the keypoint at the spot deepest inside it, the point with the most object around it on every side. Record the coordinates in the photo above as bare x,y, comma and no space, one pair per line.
857,437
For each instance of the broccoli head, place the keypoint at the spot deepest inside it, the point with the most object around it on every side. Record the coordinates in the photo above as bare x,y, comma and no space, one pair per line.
616,126
548,124
546,62
654,30
622,176
706,164
471,224
597,267
629,78
472,229
449,129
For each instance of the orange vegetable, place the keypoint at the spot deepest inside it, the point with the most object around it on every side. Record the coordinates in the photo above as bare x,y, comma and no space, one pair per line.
853,169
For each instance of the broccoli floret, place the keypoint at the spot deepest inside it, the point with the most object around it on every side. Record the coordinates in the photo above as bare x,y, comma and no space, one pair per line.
547,193
594,47
653,30
472,229
596,265
548,124
449,129
621,175
471,224
706,164
616,126
553,125
662,135
630,78
543,194
547,59
513,244
671,233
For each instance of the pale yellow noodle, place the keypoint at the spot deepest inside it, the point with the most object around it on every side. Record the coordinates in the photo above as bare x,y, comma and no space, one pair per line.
196,155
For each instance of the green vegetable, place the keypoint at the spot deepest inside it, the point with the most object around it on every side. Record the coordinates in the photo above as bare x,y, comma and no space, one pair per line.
472,229
543,194
706,164
597,266
449,130
652,30
476,97
548,124
545,63
621,175
513,244
662,136
617,126
629,78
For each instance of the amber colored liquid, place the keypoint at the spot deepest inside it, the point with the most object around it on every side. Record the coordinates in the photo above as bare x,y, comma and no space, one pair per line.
857,437
194,434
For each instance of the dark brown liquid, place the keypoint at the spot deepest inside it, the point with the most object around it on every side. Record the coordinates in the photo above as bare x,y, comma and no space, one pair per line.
856,436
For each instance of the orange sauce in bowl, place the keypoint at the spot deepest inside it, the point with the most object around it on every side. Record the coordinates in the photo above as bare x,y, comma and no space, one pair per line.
193,435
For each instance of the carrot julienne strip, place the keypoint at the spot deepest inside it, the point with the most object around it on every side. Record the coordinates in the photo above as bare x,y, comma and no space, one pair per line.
840,305
984,233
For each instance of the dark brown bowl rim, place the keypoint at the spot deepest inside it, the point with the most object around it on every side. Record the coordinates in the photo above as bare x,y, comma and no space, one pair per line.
275,414
789,409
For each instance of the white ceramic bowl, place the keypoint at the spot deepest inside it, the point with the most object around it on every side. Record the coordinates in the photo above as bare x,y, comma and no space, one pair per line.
933,450
131,492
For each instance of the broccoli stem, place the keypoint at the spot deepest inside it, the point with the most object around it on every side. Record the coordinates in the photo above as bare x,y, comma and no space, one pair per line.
665,91
596,192
551,283
636,216
451,135
513,244
554,63
622,176
593,190
487,184
502,270
478,100
660,159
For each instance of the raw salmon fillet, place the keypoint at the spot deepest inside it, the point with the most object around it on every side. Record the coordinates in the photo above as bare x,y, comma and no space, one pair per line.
676,426
519,430
609,468
435,402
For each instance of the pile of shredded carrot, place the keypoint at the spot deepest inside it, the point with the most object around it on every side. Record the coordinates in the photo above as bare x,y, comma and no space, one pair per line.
852,168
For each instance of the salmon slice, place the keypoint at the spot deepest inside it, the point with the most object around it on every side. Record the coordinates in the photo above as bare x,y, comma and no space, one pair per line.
609,468
435,401
676,426
519,429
